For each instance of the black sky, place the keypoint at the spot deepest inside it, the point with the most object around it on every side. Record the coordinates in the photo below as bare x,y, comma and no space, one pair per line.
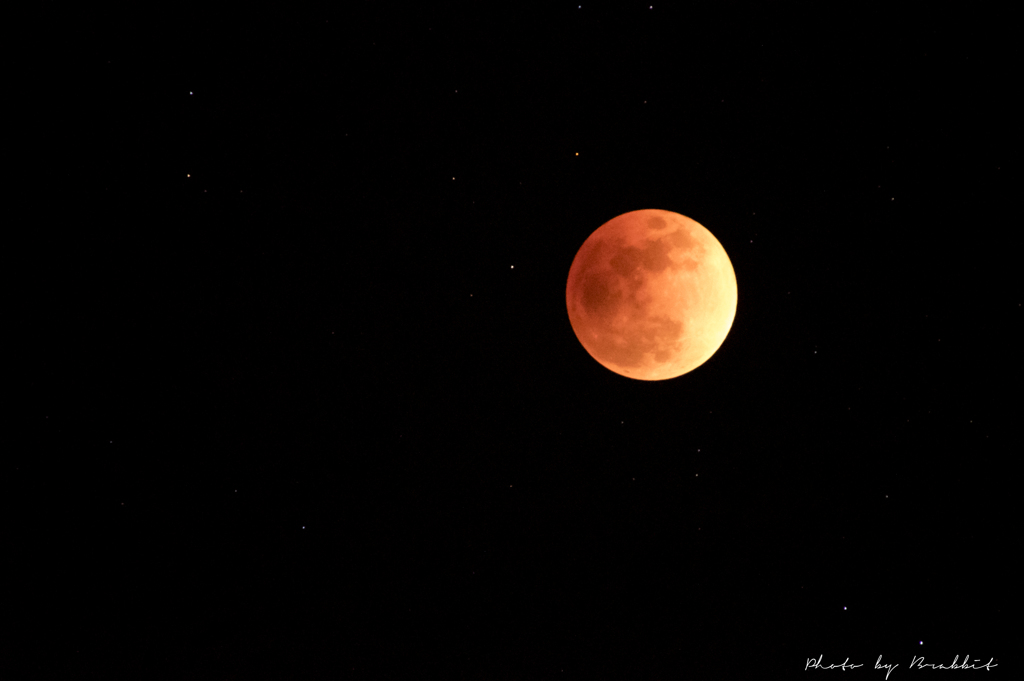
305,402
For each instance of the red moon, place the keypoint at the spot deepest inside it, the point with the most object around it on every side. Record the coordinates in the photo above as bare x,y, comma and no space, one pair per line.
651,295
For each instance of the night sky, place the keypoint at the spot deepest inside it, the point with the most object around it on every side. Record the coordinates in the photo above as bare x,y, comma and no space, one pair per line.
304,398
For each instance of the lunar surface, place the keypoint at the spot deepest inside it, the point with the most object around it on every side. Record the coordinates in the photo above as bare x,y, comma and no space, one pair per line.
651,295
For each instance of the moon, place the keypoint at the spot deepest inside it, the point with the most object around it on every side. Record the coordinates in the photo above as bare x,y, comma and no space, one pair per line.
651,295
